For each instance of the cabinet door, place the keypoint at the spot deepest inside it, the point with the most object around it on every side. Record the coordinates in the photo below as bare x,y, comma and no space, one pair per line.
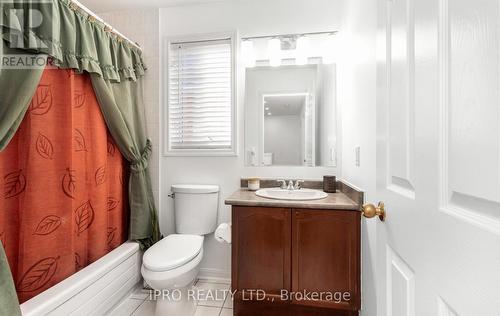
261,249
326,258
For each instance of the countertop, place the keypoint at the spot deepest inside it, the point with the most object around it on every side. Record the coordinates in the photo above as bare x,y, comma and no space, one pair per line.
334,201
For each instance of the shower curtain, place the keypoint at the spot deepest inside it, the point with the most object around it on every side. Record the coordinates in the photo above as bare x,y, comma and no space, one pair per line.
64,202
72,40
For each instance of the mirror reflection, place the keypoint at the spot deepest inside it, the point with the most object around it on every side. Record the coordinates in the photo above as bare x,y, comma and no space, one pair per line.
290,115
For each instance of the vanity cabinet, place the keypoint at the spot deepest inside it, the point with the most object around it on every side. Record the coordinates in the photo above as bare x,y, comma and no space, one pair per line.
262,249
296,251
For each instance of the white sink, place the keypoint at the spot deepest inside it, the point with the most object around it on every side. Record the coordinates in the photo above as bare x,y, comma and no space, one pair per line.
295,195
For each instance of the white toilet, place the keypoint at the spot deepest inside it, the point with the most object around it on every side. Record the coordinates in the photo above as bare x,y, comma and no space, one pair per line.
172,264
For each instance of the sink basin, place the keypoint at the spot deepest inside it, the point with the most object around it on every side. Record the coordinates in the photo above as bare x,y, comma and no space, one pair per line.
295,195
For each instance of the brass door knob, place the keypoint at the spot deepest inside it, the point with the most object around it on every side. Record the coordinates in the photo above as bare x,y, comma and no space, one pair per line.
370,211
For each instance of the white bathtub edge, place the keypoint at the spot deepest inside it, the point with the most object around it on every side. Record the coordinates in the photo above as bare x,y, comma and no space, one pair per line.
57,295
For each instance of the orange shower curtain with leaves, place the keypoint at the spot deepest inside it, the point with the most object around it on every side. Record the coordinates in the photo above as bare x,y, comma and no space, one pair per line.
64,202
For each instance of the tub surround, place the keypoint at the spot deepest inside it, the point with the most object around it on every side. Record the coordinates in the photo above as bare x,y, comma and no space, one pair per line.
95,289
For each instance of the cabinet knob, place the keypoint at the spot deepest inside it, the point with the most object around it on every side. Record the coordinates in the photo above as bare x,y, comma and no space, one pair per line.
370,211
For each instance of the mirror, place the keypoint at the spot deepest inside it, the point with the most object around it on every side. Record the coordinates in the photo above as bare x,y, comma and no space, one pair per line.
290,115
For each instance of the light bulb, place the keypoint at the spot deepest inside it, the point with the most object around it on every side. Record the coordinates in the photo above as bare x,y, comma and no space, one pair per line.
330,49
247,53
274,51
302,51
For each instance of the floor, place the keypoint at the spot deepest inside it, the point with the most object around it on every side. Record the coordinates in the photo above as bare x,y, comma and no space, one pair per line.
213,303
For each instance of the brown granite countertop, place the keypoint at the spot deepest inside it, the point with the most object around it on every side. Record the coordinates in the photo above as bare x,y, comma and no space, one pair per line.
334,201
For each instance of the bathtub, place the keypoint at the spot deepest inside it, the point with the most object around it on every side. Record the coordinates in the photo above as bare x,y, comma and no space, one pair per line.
94,290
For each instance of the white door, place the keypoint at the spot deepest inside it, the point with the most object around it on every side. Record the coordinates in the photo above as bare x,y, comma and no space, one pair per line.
438,157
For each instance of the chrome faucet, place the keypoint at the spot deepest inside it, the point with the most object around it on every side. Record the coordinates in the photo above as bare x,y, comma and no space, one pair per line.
291,186
298,184
283,184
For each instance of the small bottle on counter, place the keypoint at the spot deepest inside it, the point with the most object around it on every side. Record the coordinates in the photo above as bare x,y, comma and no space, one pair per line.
253,184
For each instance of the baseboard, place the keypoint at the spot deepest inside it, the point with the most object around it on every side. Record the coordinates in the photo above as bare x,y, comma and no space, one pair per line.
215,275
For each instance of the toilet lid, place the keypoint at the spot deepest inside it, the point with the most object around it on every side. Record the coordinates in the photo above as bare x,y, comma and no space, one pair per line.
172,251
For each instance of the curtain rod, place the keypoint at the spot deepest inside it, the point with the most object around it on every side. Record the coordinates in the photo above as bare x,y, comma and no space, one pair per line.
289,35
112,29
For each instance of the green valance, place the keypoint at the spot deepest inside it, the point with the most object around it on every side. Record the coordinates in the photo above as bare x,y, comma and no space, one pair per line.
71,37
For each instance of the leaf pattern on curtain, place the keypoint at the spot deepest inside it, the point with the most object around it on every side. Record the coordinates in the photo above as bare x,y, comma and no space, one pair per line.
111,148
84,217
69,183
42,100
44,147
112,203
80,144
79,99
48,225
63,203
38,275
15,183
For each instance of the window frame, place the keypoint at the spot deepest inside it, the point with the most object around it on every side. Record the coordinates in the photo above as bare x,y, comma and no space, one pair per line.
233,150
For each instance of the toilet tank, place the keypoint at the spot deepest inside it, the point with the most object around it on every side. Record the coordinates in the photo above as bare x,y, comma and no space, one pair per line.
195,208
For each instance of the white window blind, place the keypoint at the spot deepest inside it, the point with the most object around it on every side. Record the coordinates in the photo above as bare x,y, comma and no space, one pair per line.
200,95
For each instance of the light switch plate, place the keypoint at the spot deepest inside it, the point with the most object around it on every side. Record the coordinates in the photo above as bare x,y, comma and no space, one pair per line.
357,151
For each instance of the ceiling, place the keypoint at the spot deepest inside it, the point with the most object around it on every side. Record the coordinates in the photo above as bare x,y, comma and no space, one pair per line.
102,6
284,104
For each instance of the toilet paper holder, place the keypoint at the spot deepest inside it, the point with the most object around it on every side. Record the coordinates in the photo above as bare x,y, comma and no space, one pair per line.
223,233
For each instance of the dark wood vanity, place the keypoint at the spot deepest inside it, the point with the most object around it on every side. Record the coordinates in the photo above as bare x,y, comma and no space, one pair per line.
295,257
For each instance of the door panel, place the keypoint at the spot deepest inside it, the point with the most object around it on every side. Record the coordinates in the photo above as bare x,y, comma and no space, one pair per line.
438,157
401,105
400,286
326,255
470,122
261,249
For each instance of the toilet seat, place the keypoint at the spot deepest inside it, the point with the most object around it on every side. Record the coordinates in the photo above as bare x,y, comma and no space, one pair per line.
172,252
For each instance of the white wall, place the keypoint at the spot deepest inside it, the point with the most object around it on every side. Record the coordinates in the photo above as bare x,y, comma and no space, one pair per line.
249,18
357,100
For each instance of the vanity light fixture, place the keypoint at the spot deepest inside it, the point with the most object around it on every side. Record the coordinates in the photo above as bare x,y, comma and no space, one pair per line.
289,46
330,49
247,53
302,51
274,51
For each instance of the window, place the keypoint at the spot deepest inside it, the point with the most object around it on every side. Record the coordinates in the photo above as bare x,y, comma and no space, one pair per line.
201,107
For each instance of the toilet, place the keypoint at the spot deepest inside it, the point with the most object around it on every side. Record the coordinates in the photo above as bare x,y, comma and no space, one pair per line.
171,265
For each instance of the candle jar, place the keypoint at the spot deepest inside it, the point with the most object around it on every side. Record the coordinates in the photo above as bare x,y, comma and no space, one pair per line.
253,184
329,184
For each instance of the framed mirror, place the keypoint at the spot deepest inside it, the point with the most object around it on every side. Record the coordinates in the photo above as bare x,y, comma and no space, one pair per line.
290,115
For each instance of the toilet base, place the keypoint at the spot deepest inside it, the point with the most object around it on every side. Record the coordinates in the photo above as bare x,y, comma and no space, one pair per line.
176,302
